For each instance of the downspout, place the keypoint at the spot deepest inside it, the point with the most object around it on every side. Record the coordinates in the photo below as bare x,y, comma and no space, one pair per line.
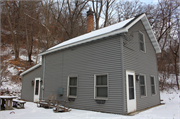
123,78
44,66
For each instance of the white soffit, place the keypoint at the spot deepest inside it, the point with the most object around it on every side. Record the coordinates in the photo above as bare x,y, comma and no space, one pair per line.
151,34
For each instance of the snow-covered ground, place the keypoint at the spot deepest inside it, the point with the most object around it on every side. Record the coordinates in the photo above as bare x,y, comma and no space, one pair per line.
171,110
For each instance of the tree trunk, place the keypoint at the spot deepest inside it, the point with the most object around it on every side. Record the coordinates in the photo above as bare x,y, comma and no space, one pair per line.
176,72
30,44
27,39
14,38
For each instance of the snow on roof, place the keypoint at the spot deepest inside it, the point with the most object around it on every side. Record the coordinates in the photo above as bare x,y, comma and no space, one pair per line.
93,34
104,32
120,27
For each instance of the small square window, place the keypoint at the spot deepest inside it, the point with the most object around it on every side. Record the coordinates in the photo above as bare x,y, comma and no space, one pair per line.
101,87
72,86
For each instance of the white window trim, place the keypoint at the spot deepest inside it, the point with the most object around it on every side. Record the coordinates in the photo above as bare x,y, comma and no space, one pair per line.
142,96
68,87
101,98
154,85
144,42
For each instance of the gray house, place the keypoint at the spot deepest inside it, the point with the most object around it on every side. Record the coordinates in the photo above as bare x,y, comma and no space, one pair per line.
113,69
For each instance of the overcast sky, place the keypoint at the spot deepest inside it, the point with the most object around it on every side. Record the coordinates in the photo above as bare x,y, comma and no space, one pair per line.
148,1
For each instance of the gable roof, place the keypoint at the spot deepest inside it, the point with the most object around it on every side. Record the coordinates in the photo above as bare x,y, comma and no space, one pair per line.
118,28
121,27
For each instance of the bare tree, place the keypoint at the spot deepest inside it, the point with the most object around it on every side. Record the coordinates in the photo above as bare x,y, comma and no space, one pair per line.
108,11
163,19
69,17
97,8
128,9
14,29
46,4
174,48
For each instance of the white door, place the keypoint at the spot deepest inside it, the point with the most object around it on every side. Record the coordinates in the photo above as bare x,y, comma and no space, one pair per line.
36,89
131,91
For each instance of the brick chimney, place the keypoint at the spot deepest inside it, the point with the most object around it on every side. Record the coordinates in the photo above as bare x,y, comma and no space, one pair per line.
90,21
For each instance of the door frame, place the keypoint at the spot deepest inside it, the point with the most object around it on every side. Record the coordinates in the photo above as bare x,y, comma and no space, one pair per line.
133,102
36,97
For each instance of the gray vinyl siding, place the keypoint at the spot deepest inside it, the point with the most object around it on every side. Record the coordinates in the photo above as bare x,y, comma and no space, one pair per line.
141,62
97,57
103,56
27,92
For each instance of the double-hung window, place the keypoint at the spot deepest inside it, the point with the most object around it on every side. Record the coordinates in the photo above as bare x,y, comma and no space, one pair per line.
72,87
142,85
142,41
153,90
101,86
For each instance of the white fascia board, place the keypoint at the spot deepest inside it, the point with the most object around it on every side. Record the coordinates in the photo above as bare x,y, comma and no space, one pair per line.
87,40
150,32
35,66
135,21
32,68
154,40
158,50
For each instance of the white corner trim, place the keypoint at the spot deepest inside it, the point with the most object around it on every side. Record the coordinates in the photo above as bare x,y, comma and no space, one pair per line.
30,69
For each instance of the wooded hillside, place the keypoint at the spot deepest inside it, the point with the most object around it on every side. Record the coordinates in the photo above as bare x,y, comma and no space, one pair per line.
29,27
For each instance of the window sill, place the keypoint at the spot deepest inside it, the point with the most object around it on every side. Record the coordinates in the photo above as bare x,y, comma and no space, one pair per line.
143,51
153,95
100,101
101,98
72,96
144,96
71,99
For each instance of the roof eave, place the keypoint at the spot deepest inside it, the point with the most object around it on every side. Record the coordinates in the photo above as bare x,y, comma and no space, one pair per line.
32,68
123,30
151,34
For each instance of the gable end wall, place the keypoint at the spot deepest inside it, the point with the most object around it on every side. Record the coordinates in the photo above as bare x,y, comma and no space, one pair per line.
27,91
140,62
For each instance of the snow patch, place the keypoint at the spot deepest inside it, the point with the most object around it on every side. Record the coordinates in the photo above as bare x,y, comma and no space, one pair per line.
170,110
12,69
23,57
